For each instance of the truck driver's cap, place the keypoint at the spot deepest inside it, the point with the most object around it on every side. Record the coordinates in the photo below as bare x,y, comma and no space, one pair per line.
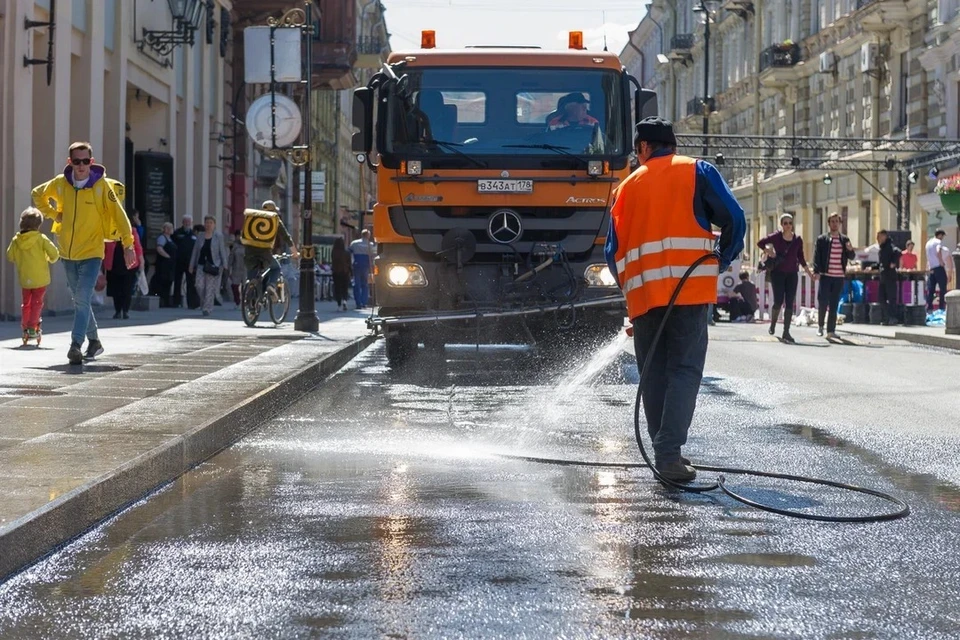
270,205
655,129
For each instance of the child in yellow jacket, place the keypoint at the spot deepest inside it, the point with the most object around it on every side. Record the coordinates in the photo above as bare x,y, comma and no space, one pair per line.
32,252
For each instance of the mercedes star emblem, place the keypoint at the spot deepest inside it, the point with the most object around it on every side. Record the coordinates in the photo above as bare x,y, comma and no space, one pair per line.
504,227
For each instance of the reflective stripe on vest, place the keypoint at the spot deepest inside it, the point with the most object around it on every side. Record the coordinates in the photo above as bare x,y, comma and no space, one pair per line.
656,246
652,275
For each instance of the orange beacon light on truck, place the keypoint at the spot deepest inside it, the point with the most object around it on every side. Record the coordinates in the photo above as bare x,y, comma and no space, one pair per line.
575,40
428,39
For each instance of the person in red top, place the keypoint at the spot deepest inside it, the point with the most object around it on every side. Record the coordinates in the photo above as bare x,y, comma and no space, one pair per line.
908,259
572,111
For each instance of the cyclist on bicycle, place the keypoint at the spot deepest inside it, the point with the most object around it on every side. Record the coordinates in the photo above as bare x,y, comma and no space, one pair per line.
261,230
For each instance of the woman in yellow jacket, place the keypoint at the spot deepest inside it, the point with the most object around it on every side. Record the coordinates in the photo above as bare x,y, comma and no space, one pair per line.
87,210
32,252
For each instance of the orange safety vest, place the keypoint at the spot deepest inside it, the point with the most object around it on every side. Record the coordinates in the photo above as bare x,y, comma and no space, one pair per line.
658,236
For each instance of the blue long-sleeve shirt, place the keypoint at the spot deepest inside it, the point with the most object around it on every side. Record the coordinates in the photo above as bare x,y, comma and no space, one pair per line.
713,204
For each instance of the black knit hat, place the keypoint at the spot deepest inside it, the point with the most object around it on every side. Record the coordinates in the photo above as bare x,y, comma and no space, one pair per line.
655,129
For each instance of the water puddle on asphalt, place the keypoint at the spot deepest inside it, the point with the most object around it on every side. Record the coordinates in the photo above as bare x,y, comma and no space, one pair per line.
765,559
945,494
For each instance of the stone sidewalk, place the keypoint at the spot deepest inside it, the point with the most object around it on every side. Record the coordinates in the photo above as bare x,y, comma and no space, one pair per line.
929,336
172,388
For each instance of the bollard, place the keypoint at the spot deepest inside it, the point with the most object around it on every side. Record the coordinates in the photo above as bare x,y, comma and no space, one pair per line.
953,312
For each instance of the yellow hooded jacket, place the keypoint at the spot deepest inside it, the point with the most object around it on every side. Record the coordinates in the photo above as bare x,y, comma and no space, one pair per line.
84,218
32,252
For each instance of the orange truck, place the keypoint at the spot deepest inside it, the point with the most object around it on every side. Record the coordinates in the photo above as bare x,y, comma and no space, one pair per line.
495,168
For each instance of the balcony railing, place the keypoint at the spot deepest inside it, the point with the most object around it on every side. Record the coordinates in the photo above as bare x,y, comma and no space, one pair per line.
681,42
368,45
779,55
695,106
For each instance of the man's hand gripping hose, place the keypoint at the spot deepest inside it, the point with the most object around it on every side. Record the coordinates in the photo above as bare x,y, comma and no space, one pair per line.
721,482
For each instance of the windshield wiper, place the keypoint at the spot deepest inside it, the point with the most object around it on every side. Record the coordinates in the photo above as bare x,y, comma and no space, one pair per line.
549,147
452,146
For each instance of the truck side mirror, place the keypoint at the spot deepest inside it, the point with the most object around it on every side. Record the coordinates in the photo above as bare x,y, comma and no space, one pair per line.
363,120
645,102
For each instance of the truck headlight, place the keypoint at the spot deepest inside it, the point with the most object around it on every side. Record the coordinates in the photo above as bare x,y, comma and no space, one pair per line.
598,275
406,275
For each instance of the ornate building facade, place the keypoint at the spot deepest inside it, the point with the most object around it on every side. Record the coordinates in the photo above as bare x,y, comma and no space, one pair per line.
855,69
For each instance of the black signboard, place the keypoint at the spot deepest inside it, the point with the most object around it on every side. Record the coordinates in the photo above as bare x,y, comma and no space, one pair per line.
153,192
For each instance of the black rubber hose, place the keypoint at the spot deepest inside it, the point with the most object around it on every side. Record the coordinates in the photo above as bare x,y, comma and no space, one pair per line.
721,483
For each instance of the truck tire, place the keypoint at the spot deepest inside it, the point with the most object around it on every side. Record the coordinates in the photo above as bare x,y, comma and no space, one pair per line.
400,346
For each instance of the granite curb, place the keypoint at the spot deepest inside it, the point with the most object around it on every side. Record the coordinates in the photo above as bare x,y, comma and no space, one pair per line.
30,538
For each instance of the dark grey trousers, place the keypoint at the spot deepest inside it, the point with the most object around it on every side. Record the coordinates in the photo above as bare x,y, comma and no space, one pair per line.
670,392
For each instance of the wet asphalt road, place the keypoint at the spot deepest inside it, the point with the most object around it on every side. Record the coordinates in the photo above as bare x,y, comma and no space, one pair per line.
380,506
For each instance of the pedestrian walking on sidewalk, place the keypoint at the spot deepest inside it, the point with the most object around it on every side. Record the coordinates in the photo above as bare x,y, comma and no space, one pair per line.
785,248
121,279
660,224
207,262
32,253
830,255
341,271
363,251
238,272
889,277
937,261
185,238
86,213
162,282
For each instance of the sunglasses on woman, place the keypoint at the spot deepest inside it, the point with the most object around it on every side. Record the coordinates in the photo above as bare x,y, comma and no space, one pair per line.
79,161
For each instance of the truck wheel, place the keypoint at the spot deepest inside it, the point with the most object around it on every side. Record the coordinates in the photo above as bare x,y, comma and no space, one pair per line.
401,345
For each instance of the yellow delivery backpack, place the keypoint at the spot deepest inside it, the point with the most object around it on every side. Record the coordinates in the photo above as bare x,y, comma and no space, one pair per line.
260,228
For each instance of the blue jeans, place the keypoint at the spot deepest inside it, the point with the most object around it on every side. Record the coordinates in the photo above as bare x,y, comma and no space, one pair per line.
361,288
937,278
81,279
670,391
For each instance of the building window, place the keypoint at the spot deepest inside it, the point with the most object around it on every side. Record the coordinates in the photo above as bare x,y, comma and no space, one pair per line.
902,98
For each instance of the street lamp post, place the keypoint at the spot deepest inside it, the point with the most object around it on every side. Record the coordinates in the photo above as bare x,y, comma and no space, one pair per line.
306,319
705,8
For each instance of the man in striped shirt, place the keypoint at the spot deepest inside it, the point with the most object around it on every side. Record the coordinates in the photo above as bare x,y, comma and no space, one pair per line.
830,257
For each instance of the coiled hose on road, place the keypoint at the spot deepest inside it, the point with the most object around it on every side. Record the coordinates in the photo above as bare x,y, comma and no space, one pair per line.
721,482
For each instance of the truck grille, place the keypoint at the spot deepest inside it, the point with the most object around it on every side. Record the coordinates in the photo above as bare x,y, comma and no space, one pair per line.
576,230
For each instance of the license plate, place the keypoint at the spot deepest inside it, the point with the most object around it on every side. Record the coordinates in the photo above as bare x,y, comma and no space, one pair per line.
505,186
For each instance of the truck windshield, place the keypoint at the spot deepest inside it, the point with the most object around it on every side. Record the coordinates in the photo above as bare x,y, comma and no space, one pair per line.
509,112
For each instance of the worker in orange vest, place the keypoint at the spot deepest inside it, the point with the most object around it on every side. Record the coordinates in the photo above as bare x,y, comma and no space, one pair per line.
660,224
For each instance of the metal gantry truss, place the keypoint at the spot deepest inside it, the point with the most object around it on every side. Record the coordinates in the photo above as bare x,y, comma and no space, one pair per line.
722,142
805,153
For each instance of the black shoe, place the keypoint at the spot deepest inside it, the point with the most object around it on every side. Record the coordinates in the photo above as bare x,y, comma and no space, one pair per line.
116,316
126,316
820,331
788,339
94,348
772,330
677,471
685,461
74,355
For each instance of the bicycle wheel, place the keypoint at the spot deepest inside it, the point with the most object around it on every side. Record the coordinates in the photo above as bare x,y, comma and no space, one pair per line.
250,302
280,305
